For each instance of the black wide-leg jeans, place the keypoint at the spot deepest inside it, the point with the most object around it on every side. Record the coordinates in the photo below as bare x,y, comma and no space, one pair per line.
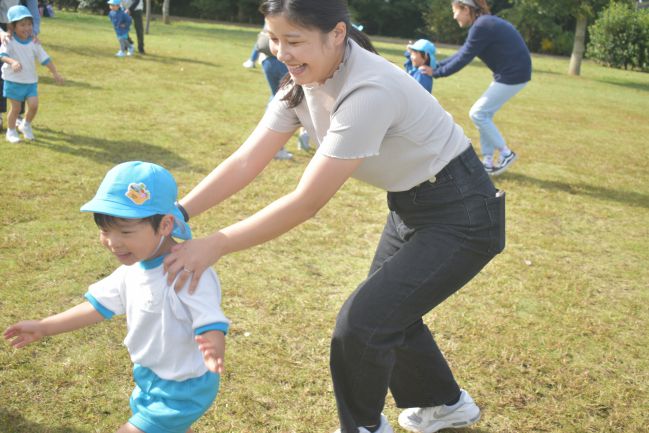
438,236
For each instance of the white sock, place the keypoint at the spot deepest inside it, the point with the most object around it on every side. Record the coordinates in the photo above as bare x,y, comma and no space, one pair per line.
505,151
488,160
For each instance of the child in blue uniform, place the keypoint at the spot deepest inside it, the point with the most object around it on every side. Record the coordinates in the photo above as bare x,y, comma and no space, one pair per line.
176,341
18,55
122,24
419,55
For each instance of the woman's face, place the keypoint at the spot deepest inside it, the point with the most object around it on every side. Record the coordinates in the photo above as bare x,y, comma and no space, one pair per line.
310,55
462,14
418,58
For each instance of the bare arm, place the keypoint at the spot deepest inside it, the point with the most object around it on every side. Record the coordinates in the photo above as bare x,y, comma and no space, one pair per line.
26,332
58,78
320,181
237,171
212,346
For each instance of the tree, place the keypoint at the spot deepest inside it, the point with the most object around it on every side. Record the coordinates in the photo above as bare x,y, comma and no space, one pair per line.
165,12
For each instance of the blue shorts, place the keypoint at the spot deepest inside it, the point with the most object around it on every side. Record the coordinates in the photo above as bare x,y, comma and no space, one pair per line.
168,406
19,91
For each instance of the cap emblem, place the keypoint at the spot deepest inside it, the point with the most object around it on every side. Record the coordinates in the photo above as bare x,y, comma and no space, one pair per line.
138,193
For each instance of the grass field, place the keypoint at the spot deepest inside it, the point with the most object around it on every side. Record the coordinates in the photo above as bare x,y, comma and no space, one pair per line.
551,337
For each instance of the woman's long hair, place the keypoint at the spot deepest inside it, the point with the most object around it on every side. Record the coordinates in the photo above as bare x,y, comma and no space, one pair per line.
315,14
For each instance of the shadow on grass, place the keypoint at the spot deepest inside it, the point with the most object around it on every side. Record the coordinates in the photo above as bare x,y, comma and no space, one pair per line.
102,150
643,87
168,59
625,197
46,79
16,423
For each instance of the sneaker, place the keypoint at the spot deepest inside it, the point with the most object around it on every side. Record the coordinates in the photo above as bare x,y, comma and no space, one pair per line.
120,53
503,163
26,130
130,51
384,428
303,141
283,154
248,64
489,169
431,419
12,136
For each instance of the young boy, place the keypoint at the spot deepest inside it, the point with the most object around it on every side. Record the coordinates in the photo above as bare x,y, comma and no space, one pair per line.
122,24
176,374
18,55
419,55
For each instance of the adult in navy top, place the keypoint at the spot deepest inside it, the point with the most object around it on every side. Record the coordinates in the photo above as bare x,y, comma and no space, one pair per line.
500,46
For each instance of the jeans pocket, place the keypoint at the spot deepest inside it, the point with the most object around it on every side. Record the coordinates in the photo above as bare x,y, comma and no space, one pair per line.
496,209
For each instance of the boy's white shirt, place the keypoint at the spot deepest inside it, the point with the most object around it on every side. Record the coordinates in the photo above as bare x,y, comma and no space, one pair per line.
26,54
161,322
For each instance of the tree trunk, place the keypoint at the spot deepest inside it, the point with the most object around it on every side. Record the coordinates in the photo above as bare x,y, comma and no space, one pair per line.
579,46
165,12
148,15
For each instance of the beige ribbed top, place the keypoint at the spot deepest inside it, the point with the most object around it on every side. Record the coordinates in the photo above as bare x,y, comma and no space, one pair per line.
372,109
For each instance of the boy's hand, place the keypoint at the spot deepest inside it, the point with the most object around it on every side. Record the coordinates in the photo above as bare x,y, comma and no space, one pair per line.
23,333
59,79
16,67
212,345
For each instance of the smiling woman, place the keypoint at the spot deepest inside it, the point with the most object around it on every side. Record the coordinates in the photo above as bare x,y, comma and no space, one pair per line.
374,123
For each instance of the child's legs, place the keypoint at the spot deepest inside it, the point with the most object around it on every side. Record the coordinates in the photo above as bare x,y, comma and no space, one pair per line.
14,111
483,111
129,428
32,108
123,44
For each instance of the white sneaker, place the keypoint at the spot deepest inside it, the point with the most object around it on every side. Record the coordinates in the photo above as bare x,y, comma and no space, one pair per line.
12,136
283,154
431,419
120,53
130,51
26,130
384,428
248,64
303,141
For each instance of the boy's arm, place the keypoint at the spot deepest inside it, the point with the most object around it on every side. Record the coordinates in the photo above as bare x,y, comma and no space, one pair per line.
57,77
15,64
23,333
212,345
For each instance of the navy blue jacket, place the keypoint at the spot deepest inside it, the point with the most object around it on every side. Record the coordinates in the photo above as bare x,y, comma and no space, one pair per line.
499,45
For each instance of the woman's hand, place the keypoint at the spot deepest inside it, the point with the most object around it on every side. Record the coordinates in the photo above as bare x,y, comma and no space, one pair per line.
190,259
426,70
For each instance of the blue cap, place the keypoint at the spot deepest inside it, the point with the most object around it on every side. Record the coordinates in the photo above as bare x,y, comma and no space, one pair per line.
114,2
138,189
17,13
424,45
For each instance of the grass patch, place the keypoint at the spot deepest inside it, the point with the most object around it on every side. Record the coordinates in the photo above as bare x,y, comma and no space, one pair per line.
550,337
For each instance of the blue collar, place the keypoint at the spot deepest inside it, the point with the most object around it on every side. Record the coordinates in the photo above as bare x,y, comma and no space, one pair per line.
152,263
22,41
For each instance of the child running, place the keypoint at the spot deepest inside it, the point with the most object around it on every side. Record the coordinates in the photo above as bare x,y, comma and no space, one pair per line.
122,24
176,341
18,55
419,55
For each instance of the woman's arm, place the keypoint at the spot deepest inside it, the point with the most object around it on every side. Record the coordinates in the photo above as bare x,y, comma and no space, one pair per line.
320,181
236,171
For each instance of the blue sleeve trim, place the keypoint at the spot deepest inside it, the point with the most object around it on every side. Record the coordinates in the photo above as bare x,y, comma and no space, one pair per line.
4,54
105,312
220,326
46,61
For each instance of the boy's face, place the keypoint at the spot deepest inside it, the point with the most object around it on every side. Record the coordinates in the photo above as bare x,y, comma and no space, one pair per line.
130,240
114,7
23,28
418,58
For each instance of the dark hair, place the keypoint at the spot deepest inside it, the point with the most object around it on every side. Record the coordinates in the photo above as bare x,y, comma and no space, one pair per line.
104,221
323,15
425,55
482,8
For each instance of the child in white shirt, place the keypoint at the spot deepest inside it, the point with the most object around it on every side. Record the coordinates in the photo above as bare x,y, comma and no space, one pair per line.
19,71
176,340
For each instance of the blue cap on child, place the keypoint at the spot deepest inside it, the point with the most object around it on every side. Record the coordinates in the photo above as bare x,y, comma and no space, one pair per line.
17,13
114,2
425,46
138,189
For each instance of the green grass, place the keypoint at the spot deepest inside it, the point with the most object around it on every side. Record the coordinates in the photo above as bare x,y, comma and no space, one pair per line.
550,337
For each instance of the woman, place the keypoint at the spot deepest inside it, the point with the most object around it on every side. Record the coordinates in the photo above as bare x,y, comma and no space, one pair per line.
499,45
373,122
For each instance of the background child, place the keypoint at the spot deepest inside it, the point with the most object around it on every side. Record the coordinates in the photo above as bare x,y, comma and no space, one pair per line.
18,55
419,55
122,24
176,378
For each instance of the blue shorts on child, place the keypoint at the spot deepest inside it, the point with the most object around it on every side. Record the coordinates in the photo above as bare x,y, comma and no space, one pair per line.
168,406
19,91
